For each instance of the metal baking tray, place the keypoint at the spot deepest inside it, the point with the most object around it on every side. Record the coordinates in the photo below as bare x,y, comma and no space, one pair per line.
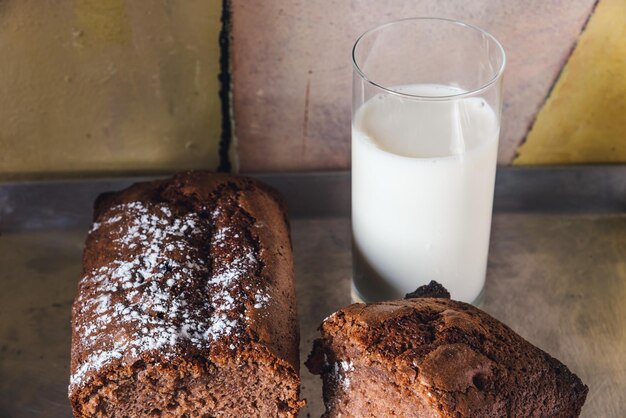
556,274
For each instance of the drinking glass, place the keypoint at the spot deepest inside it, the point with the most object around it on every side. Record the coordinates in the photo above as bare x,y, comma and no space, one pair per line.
426,105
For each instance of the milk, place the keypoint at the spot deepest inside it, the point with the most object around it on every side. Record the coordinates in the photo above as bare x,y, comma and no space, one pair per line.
422,192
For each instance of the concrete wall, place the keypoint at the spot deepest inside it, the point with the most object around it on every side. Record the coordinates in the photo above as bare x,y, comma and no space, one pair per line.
292,75
111,87
108,86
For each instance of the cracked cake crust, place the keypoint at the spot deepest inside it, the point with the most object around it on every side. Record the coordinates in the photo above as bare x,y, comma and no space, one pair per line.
186,306
435,357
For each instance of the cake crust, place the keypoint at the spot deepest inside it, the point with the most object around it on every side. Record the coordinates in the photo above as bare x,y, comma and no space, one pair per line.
436,357
187,286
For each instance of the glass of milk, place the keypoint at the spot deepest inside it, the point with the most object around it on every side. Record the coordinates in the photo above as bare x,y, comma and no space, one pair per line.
427,97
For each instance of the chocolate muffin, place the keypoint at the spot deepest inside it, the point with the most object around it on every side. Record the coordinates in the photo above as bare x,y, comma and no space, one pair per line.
186,306
434,357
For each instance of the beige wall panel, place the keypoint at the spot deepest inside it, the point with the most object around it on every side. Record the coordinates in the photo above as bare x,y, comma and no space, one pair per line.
292,69
108,86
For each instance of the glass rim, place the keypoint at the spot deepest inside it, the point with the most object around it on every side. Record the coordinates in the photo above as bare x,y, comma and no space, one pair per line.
473,92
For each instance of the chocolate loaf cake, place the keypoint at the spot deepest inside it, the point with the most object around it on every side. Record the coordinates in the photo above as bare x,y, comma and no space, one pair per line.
186,306
435,357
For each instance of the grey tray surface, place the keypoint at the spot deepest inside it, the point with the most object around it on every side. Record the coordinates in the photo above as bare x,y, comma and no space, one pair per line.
556,274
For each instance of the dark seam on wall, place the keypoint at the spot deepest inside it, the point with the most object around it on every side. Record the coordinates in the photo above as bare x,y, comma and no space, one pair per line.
224,92
556,79
305,120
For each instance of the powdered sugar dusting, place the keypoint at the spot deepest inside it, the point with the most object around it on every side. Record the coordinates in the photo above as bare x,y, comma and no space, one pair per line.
162,292
329,317
341,372
260,299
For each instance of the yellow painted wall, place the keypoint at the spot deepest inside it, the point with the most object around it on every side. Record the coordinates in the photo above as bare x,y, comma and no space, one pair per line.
584,119
103,86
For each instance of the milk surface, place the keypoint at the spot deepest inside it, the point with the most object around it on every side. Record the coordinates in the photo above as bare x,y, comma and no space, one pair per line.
422,192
